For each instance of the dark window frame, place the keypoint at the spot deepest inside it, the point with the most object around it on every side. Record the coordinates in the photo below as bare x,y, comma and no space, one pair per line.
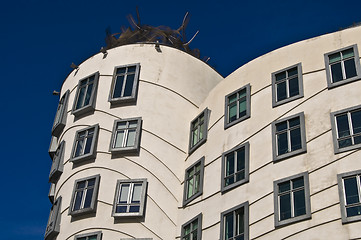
197,218
93,148
193,147
53,225
51,193
233,210
58,163
86,108
60,115
201,180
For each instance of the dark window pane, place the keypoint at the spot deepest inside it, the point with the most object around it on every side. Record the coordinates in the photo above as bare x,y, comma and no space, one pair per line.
129,86
240,176
281,91
121,70
280,76
336,72
79,147
91,182
118,87
80,185
344,143
357,140
285,207
229,164
283,187
342,125
88,198
356,121
240,221
77,202
232,98
131,69
296,139
350,68
334,57
294,122
229,180
299,201
229,226
242,107
241,159
292,72
282,143
281,126
293,87
134,208
232,115
81,96
88,95
351,190
298,182
88,145
353,211
121,209
240,237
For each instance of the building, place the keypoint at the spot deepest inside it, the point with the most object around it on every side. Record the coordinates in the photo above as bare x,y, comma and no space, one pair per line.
155,144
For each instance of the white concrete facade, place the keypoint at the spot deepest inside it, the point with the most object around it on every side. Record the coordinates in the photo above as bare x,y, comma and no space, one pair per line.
173,89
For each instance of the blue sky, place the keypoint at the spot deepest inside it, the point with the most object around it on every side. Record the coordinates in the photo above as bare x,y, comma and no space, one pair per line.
40,39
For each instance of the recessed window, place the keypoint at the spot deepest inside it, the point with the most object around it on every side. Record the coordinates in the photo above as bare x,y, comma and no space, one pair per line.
193,181
346,129
198,132
84,147
84,196
53,146
89,236
287,85
292,199
51,193
192,230
53,226
85,95
60,116
126,135
342,66
238,106
234,223
289,137
125,84
349,186
129,198
235,167
57,166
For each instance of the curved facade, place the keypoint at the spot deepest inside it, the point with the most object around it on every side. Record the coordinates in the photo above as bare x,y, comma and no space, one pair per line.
154,144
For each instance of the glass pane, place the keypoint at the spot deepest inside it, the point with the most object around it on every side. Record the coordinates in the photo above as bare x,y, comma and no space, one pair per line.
232,98
134,208
356,121
79,147
240,175
336,72
94,237
195,225
121,209
285,207
357,140
201,131
281,126
296,139
190,188
91,182
121,125
242,108
194,137
347,53
342,125
282,143
119,139
118,87
121,70
133,124
283,187
88,94
280,76
88,198
229,180
232,113
196,183
351,190
299,201
131,69
292,72
124,192
240,221
242,93
350,68
81,96
294,122
334,57
281,91
131,138
187,229
298,182
353,211
84,238
229,164
88,145
293,84
80,185
190,172
137,191
228,226
241,159
77,202
345,142
129,86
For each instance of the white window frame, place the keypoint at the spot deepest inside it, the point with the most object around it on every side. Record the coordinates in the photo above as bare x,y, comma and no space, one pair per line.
86,108
92,152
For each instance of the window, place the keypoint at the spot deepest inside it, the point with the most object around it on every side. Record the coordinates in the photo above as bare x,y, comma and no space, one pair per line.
234,223
89,236
238,106
84,147
125,84
199,130
60,116
126,135
287,85
289,137
53,226
53,146
129,199
136,239
85,95
193,181
342,66
51,193
235,167
346,129
349,186
57,166
292,199
84,196
192,230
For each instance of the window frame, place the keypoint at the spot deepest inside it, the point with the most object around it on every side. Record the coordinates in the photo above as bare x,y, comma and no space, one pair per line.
129,99
331,84
276,103
60,115
94,199
53,146
302,150
342,195
53,225
279,223
131,149
335,132
201,180
58,163
93,148
228,124
91,106
245,206
199,229
51,193
192,148
246,168
98,234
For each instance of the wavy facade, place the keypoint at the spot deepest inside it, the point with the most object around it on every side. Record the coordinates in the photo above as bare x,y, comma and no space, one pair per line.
152,143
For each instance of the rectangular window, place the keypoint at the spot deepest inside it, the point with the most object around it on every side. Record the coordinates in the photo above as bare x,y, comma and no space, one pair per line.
289,137
85,95
349,186
129,198
60,116
287,85
53,226
84,147
84,196
57,166
126,135
292,199
89,236
198,132
342,66
234,223
346,129
235,167
238,106
51,193
192,230
193,182
125,84
53,146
